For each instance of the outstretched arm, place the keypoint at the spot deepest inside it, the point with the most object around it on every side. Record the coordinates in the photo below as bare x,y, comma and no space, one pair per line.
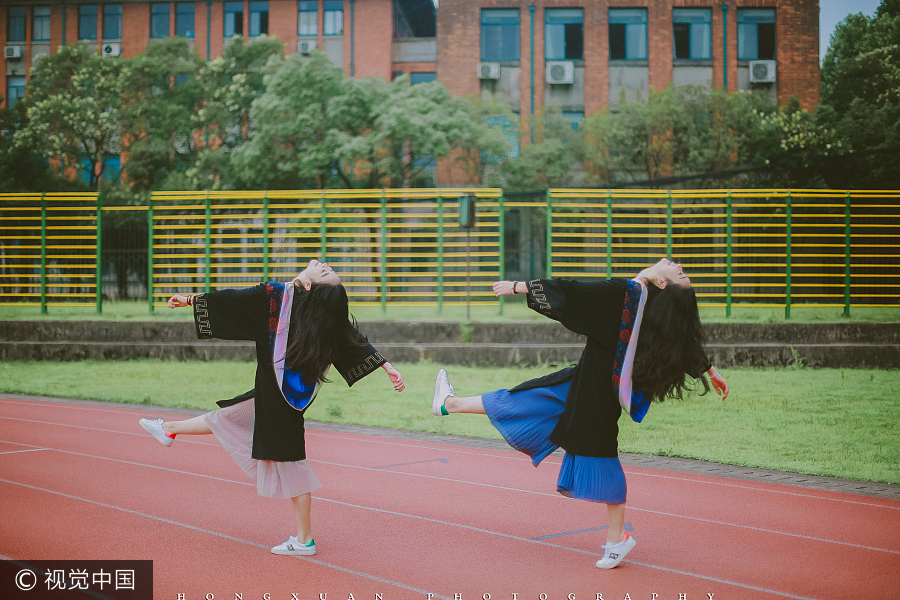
718,382
181,300
394,374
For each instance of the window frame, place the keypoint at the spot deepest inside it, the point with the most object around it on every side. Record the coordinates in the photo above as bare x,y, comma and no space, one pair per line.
558,14
499,26
226,13
10,99
81,22
112,17
621,13
258,14
315,20
691,33
746,13
182,9
332,26
154,32
43,19
21,22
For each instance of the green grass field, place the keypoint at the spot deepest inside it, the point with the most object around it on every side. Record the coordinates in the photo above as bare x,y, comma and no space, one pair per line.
835,422
514,310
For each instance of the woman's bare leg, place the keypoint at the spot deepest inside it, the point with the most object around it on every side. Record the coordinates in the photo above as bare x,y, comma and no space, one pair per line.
468,404
195,426
616,518
302,505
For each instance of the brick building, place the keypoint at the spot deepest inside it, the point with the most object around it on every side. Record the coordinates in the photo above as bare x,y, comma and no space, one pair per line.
576,55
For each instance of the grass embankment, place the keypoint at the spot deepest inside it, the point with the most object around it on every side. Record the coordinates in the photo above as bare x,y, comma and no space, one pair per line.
835,422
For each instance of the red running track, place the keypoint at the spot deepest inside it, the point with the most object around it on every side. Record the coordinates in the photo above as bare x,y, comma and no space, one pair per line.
402,519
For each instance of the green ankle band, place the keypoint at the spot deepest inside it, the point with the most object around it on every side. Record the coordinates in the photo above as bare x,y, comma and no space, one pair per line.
444,410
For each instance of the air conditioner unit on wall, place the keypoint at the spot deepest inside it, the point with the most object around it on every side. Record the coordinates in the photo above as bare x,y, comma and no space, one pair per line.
306,46
560,72
762,71
12,52
488,70
112,49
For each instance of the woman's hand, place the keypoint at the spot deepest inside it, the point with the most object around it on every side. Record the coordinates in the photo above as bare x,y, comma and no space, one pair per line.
718,382
179,300
396,377
505,288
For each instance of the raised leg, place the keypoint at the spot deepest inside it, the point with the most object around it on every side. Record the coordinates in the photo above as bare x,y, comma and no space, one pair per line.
194,426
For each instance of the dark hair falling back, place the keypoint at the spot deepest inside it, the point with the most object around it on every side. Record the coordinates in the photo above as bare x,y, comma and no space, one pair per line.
321,327
669,343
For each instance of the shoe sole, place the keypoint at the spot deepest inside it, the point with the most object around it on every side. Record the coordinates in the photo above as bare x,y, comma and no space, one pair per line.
294,552
164,440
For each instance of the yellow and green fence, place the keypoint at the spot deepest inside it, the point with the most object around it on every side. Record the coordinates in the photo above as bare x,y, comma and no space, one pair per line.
776,248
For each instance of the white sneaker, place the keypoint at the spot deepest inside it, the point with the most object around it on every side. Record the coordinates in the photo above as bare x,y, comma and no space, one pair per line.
442,390
614,553
154,428
294,547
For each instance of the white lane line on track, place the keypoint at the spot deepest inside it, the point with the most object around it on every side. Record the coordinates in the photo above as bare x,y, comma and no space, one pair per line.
223,535
21,451
487,485
428,519
363,438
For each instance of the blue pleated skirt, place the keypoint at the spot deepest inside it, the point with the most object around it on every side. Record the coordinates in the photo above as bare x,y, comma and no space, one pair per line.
525,420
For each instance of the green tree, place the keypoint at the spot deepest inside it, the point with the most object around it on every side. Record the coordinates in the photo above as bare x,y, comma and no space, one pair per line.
861,98
554,159
493,139
162,94
74,107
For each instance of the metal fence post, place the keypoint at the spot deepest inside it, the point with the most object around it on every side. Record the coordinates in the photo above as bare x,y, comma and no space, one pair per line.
440,249
99,268
150,253
384,242
323,231
265,230
501,242
787,259
847,240
549,235
728,211
208,242
669,224
608,233
43,254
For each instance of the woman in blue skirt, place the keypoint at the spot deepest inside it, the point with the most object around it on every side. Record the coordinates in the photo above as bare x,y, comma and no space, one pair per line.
644,338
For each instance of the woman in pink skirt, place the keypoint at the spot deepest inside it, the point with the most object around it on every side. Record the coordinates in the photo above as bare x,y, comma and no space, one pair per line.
300,329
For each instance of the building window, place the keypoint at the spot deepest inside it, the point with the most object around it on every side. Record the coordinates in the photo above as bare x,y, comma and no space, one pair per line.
334,17
564,33
184,19
40,24
15,89
15,29
87,22
415,78
499,34
159,20
628,34
308,18
234,19
112,21
756,34
575,117
259,19
692,33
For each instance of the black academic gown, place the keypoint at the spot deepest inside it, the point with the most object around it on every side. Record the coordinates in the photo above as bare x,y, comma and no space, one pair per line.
589,424
252,314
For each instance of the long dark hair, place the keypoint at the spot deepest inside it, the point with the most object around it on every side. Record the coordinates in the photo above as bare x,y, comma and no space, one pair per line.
669,343
321,326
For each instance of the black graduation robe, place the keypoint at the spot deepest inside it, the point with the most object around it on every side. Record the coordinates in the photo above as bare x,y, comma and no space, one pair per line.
589,424
255,314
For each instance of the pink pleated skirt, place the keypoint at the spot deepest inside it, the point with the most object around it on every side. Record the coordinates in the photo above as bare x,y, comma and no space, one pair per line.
233,426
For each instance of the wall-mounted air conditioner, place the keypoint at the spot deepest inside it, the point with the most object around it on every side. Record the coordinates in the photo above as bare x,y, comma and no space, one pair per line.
560,72
306,46
12,52
488,70
112,49
762,71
